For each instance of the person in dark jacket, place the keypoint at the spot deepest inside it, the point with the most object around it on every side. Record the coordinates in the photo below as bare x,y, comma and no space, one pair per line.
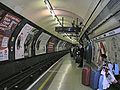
78,55
81,55
74,52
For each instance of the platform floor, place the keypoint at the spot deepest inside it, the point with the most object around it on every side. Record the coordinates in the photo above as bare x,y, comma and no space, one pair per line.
64,75
68,77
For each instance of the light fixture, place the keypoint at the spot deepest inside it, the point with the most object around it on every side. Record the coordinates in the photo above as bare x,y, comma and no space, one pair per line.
51,10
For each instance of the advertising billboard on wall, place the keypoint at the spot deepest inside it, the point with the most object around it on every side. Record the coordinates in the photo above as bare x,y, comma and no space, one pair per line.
51,44
109,44
41,43
99,48
59,46
63,45
68,45
8,23
28,42
20,41
113,48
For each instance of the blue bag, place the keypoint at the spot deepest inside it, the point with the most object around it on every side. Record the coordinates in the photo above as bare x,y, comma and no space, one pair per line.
94,79
116,69
100,86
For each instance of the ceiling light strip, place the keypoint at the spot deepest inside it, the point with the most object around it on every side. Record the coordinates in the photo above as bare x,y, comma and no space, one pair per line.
51,10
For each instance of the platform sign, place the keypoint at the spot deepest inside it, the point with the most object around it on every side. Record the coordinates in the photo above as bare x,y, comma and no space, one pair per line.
8,23
110,33
20,41
113,32
66,29
41,43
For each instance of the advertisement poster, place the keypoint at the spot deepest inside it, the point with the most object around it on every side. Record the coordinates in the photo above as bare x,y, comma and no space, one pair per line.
99,48
41,43
113,48
68,45
63,45
55,44
20,41
28,42
4,54
52,44
109,46
108,43
59,46
8,23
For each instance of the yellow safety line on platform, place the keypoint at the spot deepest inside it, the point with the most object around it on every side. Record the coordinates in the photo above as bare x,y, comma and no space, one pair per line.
45,82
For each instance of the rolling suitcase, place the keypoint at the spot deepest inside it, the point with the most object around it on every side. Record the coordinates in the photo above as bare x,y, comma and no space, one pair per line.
100,85
94,79
116,69
86,76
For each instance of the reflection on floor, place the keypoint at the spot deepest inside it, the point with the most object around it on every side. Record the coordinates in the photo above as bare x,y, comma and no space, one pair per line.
68,76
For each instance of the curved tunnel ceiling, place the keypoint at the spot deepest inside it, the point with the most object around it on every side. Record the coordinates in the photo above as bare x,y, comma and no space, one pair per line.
62,12
37,12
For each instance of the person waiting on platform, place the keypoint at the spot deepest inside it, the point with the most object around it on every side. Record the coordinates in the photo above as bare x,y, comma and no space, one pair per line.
78,58
81,55
71,51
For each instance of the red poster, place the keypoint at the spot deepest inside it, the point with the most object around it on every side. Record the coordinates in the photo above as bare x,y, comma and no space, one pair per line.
8,23
52,44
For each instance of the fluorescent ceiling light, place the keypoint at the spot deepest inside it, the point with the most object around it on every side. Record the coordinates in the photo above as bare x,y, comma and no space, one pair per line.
51,10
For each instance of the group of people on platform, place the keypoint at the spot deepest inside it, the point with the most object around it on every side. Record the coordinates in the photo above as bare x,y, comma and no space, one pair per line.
77,53
108,70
